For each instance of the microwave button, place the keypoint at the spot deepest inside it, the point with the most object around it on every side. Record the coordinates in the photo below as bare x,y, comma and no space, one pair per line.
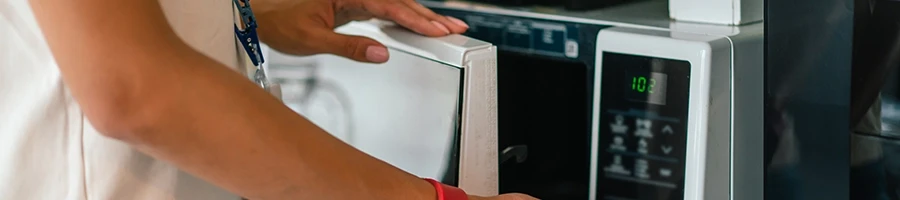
571,49
619,127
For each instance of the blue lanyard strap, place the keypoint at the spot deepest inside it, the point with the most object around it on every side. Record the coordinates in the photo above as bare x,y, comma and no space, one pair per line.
248,37
250,40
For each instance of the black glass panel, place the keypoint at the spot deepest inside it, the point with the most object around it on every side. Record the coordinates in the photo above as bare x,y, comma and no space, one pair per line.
643,127
808,48
543,106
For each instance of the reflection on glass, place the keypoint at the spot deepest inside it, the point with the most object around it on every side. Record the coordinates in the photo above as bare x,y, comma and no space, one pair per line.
403,112
890,123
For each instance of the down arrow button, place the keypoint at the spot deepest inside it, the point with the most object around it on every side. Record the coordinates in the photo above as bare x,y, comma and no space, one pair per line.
666,149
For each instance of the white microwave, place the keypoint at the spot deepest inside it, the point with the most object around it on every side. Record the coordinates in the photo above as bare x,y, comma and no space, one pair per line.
555,106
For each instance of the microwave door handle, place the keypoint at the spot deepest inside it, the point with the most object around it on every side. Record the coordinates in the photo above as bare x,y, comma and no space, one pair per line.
520,152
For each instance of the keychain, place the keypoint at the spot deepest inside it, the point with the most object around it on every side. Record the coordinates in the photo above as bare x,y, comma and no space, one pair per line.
250,40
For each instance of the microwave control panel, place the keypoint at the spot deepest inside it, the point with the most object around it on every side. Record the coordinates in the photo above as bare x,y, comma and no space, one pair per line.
642,130
529,35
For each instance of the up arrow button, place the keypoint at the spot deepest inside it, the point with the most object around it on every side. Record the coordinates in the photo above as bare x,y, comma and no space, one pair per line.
668,130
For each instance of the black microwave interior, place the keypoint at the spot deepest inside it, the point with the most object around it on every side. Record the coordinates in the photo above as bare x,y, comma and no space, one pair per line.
544,79
544,125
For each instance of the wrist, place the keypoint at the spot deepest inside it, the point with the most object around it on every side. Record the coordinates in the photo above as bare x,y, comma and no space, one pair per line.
473,197
425,190
446,192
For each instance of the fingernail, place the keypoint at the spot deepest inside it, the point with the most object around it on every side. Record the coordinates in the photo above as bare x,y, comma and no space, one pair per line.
458,22
376,54
441,26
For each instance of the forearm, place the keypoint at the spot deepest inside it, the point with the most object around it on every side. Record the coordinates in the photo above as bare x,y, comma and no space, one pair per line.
262,6
137,82
214,123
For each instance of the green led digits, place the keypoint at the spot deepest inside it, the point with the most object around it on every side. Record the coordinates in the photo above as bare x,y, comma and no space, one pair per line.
639,84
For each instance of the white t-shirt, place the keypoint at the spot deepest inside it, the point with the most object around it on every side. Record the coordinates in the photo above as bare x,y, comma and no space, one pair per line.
49,150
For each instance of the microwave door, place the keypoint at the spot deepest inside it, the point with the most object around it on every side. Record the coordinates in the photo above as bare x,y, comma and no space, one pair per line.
431,110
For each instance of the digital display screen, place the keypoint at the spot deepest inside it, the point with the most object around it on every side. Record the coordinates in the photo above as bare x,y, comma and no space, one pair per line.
644,87
642,134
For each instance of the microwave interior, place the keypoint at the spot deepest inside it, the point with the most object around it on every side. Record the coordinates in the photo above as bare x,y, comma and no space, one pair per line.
544,107
545,72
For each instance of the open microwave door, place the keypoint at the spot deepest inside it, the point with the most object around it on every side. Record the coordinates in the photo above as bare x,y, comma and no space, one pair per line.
431,110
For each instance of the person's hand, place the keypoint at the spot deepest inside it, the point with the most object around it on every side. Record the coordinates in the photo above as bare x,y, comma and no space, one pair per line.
306,27
510,196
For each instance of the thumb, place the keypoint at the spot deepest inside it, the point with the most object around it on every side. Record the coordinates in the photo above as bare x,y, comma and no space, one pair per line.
357,48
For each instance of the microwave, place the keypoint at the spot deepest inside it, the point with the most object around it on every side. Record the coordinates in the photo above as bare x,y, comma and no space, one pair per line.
623,103
643,114
615,103
763,113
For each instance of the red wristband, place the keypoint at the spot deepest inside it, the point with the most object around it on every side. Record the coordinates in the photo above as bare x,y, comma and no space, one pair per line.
446,192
